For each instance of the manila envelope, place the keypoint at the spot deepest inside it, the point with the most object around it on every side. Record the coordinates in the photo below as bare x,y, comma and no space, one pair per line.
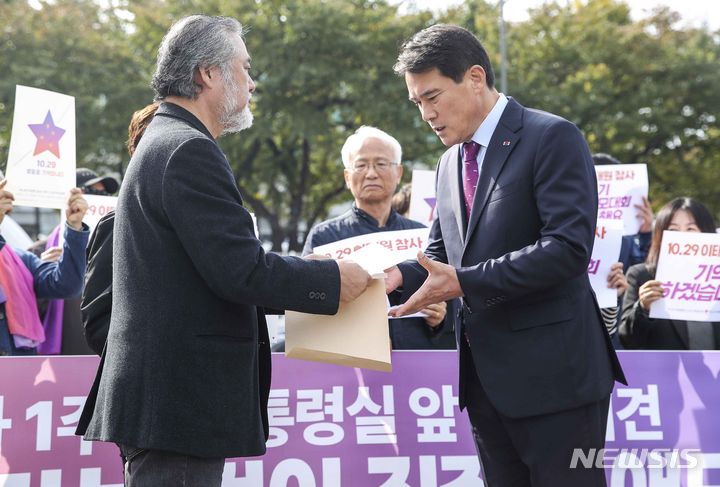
356,336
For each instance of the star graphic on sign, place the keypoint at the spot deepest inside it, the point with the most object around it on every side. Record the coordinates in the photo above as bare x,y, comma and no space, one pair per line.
48,136
431,202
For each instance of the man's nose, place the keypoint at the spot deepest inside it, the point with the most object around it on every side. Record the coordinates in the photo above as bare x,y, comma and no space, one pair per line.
427,113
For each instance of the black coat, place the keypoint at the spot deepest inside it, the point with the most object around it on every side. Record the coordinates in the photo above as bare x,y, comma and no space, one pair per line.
538,341
187,361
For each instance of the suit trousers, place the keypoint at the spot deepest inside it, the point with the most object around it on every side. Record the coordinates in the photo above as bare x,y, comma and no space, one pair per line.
534,451
157,468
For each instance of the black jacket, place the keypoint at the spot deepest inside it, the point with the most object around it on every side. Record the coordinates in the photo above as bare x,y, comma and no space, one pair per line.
187,361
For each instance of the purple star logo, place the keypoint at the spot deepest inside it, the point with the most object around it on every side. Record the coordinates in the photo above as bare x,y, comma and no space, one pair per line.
431,202
48,135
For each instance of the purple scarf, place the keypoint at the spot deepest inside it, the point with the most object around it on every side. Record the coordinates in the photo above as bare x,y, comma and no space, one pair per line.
53,321
20,306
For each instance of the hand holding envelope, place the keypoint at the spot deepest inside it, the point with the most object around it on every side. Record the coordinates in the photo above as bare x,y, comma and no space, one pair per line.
357,336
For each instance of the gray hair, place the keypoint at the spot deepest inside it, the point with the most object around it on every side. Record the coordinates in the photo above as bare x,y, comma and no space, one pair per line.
192,43
366,132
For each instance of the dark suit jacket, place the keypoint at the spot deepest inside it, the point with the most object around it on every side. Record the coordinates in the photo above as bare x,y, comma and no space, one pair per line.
96,301
537,338
638,331
187,360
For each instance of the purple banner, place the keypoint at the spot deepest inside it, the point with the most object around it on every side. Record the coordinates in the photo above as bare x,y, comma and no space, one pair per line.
335,426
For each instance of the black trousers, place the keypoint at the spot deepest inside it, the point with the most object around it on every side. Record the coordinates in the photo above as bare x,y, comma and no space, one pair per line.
156,468
534,451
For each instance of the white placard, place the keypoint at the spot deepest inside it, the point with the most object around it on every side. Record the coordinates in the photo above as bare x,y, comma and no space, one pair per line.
689,270
98,207
422,197
41,159
606,251
620,188
403,244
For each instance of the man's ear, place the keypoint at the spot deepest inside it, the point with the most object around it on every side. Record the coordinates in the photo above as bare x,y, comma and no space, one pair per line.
476,73
205,78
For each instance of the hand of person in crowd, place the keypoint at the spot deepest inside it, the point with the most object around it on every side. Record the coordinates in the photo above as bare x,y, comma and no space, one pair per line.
616,278
6,200
648,293
52,254
354,280
645,215
441,285
76,208
435,313
393,279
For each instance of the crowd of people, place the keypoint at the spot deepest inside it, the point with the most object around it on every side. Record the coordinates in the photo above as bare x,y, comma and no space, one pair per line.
503,279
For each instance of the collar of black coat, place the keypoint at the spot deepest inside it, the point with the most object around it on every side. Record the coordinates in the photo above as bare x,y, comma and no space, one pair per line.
176,111
371,219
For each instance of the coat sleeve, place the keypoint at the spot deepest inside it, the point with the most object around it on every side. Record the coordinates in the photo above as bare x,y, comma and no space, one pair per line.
62,279
204,208
565,192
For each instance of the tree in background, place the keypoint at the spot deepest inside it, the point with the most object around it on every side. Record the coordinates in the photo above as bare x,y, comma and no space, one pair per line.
643,91
80,49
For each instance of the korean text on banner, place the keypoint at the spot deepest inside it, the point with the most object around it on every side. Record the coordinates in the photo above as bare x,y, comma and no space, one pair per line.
41,159
422,197
606,251
98,207
356,336
620,188
689,271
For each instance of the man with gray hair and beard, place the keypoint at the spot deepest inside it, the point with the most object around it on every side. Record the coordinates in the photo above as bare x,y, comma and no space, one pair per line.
185,374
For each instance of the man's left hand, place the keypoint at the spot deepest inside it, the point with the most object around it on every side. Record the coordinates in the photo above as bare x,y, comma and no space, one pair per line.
435,313
76,208
441,285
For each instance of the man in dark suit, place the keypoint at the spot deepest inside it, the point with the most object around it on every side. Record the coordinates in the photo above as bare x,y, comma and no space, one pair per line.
186,371
516,210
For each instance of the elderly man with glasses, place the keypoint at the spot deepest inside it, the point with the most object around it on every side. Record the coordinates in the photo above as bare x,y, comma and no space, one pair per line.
372,173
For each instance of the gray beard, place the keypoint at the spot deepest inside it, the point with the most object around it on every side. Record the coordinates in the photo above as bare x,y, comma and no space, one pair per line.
236,122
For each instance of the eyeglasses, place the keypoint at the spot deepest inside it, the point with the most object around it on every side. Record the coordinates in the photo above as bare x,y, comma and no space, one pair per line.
380,167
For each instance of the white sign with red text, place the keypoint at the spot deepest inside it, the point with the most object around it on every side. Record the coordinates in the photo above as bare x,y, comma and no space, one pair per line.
606,251
689,270
422,197
98,207
620,188
404,244
41,158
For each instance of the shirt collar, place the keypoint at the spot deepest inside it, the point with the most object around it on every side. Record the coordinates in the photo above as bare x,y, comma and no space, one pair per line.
486,129
370,219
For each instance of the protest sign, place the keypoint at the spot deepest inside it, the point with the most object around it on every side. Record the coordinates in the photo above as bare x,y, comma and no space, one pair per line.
41,158
606,251
422,197
98,207
620,188
404,244
689,270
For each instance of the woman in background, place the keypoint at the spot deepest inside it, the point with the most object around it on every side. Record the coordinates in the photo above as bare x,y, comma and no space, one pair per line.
639,331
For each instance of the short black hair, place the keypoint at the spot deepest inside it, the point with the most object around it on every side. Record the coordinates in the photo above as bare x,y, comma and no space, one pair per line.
449,48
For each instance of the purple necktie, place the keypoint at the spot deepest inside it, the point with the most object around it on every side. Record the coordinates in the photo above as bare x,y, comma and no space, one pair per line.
470,153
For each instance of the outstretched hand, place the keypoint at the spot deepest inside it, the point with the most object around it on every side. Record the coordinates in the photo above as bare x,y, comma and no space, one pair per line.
441,285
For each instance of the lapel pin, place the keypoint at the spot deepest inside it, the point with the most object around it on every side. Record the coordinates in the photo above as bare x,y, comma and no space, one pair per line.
506,143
